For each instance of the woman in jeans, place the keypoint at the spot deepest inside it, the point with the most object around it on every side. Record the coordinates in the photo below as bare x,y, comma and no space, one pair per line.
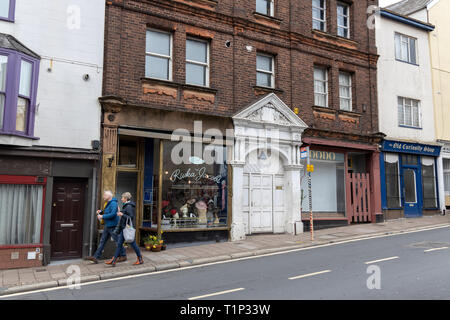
128,212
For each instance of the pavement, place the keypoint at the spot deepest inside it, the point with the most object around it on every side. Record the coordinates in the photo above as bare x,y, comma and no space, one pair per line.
52,276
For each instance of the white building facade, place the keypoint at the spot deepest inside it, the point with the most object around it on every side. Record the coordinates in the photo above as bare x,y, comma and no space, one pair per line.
409,160
51,69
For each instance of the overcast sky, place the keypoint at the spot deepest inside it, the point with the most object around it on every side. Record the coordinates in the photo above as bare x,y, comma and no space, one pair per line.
384,3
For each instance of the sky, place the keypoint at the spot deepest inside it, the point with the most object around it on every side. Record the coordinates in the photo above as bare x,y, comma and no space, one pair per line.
384,3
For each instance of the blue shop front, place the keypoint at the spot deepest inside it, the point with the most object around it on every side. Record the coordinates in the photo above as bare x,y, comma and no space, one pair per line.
409,186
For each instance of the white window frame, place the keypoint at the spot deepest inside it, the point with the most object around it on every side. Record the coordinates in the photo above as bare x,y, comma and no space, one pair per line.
402,40
446,174
347,27
419,116
170,57
270,7
199,63
272,72
350,87
325,69
324,9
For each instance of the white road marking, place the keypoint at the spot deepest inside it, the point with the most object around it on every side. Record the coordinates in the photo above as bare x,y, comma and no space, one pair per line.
309,275
435,249
216,294
152,273
381,260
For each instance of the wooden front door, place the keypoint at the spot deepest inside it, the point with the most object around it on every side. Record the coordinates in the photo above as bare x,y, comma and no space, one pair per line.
67,218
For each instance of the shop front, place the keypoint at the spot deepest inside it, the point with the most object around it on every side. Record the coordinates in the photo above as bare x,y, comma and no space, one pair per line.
409,179
344,183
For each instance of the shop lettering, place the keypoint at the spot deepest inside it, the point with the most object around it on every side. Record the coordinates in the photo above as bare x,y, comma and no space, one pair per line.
195,175
322,155
415,148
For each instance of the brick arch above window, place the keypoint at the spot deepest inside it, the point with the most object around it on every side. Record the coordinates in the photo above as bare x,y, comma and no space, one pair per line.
19,70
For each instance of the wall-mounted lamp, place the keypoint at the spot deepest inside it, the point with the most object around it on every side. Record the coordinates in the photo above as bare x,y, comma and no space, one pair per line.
110,161
364,107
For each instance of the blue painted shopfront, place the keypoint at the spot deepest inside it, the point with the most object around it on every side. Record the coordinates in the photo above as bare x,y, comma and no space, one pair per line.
409,177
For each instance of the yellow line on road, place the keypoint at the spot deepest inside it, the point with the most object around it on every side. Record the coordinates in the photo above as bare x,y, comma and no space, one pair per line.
381,260
309,274
216,294
435,249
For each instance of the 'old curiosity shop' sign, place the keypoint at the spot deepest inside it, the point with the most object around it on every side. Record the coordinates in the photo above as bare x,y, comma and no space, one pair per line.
407,147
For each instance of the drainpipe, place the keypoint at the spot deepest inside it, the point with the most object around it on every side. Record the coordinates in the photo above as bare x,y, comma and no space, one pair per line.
93,202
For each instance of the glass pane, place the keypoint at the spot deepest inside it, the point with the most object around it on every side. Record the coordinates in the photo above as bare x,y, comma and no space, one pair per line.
409,179
264,63
318,3
126,182
194,187
195,74
196,51
20,214
412,50
127,153
21,118
320,100
398,49
429,183
263,79
319,73
3,68
2,109
318,14
318,25
408,159
156,67
4,8
26,69
262,6
158,42
392,183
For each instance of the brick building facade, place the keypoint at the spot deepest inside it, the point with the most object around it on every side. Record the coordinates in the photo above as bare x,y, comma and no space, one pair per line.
140,111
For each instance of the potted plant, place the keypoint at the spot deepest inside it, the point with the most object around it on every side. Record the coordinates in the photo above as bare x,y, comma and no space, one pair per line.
148,243
155,243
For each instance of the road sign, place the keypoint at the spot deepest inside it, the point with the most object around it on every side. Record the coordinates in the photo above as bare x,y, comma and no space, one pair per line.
303,153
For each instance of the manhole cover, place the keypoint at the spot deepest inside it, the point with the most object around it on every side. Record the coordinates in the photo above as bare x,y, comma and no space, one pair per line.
429,244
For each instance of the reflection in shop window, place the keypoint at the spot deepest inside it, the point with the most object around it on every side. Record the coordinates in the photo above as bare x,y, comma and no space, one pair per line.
428,183
392,181
446,163
194,193
328,183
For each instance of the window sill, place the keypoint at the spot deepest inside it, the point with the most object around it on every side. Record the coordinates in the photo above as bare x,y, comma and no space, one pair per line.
204,4
350,113
267,20
409,127
407,62
6,19
267,89
20,135
334,39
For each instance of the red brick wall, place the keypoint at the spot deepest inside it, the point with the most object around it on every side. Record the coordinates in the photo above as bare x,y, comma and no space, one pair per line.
233,70
22,262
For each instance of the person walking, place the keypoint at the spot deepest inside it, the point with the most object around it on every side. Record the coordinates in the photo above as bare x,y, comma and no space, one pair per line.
111,219
127,214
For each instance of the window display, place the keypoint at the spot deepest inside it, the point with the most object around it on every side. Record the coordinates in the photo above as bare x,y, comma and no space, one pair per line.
194,192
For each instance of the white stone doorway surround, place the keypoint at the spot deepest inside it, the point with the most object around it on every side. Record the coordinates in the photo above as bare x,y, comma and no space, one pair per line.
266,169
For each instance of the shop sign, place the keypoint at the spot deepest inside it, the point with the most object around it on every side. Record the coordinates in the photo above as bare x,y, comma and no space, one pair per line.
303,153
326,156
194,176
414,148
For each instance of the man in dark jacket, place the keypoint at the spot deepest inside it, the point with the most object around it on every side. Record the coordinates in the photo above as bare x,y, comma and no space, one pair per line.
111,219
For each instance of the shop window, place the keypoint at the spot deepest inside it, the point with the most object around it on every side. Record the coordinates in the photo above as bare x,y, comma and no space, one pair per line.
327,182
391,166
7,8
409,160
194,192
20,213
265,7
320,86
343,20
127,153
18,86
446,163
197,62
158,61
319,14
429,183
265,74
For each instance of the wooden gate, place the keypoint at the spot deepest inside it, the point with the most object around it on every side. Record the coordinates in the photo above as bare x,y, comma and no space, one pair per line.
358,197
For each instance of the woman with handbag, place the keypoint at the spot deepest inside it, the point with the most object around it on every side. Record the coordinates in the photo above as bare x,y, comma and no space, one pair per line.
125,230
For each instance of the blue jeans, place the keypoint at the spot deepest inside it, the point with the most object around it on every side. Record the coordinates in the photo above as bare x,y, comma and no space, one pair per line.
120,243
107,233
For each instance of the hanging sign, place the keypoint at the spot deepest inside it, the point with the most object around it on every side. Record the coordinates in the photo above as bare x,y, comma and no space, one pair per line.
303,153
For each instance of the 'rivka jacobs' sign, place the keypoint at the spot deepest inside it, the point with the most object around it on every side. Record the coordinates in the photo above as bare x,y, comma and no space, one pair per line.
407,147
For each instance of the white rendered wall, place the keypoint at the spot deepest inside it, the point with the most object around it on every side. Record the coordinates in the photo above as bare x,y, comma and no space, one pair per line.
397,78
71,33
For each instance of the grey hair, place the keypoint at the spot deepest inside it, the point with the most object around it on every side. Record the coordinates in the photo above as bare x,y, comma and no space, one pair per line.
126,195
109,192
